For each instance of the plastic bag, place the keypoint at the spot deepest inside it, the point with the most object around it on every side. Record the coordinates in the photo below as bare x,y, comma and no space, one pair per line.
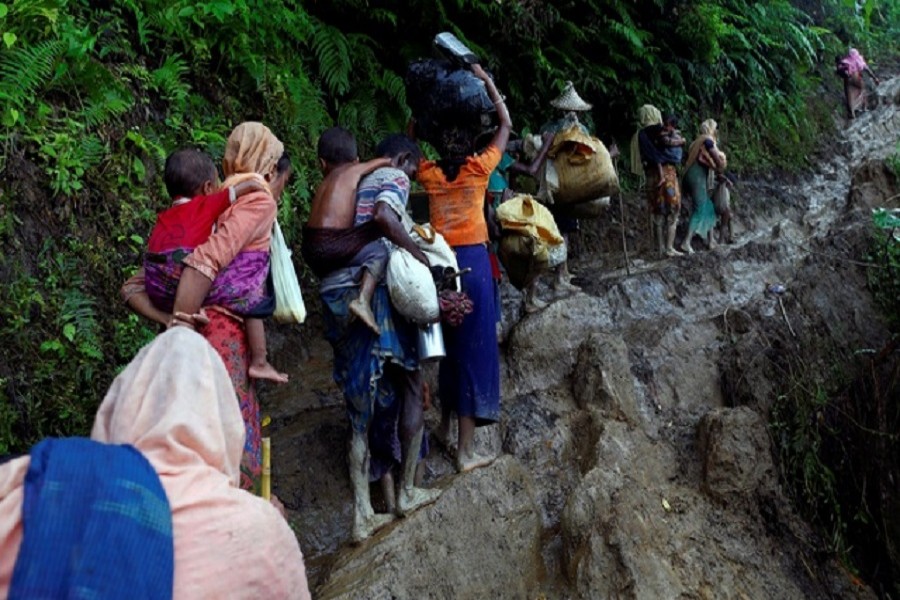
289,306
412,288
524,215
441,95
531,242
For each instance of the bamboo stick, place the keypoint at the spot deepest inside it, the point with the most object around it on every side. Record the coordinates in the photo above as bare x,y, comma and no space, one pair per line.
266,482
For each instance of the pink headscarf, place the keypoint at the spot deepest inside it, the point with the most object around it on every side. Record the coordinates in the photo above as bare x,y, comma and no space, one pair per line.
855,62
175,403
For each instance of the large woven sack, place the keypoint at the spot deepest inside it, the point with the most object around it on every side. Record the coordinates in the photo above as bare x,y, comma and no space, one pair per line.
289,306
583,166
412,288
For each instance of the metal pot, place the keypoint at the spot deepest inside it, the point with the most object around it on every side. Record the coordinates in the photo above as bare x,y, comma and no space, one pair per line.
431,342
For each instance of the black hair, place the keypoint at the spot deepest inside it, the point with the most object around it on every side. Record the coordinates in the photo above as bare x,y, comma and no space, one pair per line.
283,164
337,146
186,170
396,144
455,144
671,119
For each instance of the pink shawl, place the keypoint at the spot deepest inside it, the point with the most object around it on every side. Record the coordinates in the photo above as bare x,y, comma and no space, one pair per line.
175,403
855,62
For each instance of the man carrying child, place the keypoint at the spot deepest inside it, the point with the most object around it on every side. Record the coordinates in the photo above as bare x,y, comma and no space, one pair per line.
375,358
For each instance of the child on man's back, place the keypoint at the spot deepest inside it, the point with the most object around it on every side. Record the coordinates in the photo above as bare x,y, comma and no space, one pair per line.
190,178
330,239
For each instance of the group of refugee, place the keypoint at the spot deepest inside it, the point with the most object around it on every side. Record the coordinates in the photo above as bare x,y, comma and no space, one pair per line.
161,498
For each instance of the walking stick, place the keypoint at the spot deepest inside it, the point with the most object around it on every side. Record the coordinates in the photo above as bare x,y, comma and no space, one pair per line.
622,218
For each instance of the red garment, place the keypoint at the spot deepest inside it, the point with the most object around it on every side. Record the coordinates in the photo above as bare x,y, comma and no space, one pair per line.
228,336
188,224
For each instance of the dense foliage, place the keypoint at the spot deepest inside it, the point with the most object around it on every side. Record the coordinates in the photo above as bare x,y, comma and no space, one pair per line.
94,95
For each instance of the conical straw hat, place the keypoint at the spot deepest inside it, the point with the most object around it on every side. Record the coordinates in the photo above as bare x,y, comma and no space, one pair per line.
570,100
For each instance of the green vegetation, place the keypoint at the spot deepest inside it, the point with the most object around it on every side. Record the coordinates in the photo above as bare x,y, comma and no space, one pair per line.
884,276
836,436
93,96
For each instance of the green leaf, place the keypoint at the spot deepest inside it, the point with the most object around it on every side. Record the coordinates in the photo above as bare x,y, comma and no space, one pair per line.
4,10
10,118
49,345
138,168
137,239
9,38
69,331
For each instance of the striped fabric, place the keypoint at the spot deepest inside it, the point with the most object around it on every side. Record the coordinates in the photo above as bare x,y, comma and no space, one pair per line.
382,185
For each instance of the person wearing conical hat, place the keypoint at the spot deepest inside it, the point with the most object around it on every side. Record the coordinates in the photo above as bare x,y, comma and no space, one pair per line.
571,104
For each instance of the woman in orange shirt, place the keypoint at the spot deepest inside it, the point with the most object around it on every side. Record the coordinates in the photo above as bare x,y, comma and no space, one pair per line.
469,376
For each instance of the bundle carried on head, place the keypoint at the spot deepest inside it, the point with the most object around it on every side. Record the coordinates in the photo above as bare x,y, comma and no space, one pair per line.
441,95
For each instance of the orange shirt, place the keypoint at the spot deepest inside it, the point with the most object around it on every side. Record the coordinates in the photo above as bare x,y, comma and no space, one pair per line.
457,207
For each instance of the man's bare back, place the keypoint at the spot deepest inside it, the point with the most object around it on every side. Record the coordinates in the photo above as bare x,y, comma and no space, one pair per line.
334,205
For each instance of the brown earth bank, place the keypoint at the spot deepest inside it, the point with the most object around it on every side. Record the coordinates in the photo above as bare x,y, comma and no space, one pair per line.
637,443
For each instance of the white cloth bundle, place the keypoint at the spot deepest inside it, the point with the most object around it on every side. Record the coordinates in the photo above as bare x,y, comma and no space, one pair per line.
412,288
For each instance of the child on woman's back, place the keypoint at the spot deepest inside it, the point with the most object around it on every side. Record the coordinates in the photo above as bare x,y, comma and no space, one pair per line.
190,178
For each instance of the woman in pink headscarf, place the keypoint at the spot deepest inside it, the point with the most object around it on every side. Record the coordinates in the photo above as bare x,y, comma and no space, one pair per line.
176,405
850,68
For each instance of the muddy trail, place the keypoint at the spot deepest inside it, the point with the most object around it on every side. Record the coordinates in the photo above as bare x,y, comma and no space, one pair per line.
635,451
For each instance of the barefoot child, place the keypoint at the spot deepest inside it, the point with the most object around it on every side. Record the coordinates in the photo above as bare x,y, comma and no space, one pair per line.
330,237
190,178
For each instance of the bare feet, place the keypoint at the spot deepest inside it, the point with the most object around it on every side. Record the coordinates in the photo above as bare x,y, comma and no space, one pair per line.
364,526
415,497
464,464
267,371
672,253
686,247
361,309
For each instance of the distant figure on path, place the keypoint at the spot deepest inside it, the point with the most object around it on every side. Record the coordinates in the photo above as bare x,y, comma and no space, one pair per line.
704,162
850,68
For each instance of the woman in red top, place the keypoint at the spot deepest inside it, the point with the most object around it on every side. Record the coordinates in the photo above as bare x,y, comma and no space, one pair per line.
470,374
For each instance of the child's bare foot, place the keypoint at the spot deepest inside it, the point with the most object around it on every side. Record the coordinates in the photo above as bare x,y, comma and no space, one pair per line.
267,371
361,309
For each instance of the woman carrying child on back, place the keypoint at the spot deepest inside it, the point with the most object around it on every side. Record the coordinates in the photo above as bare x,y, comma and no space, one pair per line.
190,178
238,252
469,376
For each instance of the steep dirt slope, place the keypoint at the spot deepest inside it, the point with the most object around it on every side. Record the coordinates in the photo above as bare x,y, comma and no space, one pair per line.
636,458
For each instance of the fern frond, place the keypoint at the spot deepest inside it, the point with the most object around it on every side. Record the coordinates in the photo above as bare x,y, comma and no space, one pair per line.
167,79
333,53
26,69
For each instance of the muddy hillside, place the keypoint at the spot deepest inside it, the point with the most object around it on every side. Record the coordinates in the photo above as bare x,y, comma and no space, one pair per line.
636,450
